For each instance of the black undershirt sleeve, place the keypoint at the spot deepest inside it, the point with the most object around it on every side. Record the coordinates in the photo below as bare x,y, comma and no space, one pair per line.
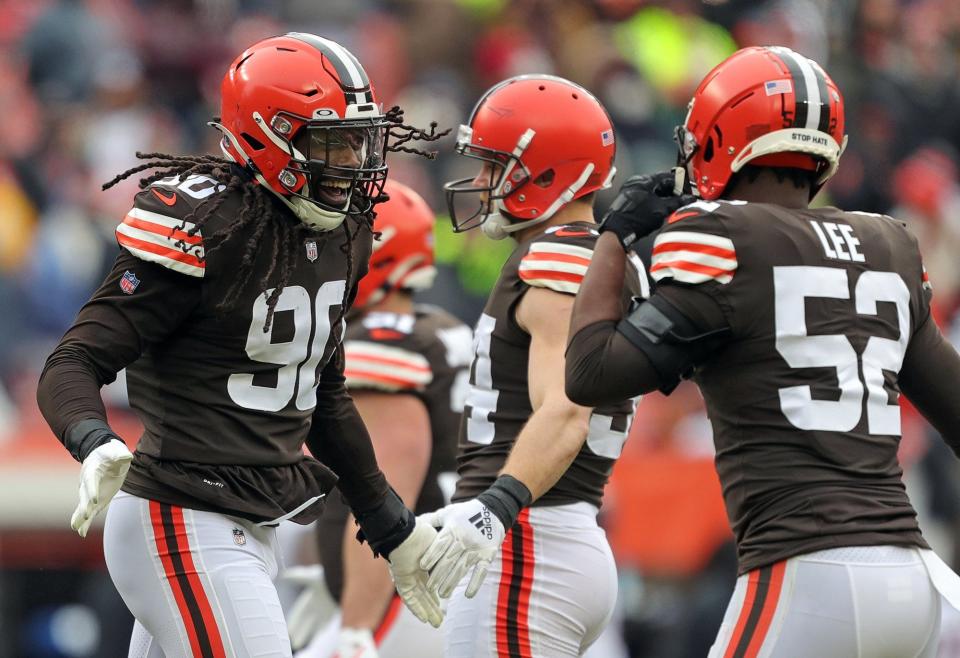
111,331
340,440
602,364
698,304
930,378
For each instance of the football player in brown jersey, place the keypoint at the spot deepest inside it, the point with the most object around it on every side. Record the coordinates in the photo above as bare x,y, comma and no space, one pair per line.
532,464
225,306
406,368
801,326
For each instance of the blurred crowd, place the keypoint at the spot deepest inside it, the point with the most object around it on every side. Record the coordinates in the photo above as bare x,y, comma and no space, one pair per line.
84,84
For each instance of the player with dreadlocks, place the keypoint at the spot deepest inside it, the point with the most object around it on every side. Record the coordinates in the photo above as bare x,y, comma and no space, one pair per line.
225,306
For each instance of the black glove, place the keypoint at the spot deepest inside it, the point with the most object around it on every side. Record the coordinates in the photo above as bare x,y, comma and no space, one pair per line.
641,206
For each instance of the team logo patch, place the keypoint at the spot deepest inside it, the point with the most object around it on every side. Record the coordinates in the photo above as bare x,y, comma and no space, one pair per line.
129,282
239,538
312,253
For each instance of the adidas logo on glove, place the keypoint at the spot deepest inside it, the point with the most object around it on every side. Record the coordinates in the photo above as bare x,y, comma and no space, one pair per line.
483,523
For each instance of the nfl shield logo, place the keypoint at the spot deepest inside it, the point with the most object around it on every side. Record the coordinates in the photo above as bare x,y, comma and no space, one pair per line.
311,250
238,537
129,282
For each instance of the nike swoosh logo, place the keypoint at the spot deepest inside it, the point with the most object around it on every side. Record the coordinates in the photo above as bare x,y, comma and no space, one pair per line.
676,217
169,200
564,233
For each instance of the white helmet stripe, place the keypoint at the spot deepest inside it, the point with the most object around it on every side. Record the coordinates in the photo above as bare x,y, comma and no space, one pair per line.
810,93
349,70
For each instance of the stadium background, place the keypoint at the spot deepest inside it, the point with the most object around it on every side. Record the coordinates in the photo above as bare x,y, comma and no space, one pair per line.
85,84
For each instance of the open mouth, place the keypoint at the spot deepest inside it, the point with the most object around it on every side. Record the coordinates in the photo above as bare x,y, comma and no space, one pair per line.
333,192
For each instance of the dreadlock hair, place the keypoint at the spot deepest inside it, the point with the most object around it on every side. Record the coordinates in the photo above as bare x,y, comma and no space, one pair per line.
401,133
259,211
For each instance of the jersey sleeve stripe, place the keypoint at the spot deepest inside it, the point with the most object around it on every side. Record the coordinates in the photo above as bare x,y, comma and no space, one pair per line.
560,248
720,252
158,218
136,236
416,367
693,237
531,276
553,280
171,258
166,251
694,257
687,272
163,231
544,256
361,379
371,365
553,266
368,350
161,239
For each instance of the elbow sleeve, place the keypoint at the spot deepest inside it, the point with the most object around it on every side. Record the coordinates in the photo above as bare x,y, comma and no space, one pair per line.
672,344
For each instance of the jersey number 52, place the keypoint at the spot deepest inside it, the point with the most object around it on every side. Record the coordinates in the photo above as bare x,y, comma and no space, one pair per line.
792,285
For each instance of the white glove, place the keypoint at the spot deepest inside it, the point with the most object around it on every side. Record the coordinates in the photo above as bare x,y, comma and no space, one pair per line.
470,535
101,475
356,643
410,580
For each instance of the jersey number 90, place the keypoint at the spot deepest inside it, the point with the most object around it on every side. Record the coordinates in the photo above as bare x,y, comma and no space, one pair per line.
297,359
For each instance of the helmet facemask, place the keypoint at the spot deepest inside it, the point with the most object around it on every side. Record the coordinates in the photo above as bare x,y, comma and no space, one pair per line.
341,164
470,205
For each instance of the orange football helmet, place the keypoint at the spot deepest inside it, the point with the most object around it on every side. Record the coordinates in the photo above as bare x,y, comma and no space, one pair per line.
547,140
766,106
299,111
403,256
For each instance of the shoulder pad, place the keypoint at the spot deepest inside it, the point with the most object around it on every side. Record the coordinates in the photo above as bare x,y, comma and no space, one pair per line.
153,232
558,260
371,365
694,251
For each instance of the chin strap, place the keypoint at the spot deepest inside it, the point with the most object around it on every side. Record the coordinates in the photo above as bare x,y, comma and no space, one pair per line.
497,226
310,213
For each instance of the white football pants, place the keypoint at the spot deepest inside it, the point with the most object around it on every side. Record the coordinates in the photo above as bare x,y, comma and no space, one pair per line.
549,593
200,584
855,602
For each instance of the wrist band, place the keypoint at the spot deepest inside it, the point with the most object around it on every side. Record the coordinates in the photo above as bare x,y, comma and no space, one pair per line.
505,498
86,436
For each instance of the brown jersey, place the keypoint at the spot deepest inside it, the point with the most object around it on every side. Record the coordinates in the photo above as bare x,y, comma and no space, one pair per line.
425,354
498,404
803,398
226,406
